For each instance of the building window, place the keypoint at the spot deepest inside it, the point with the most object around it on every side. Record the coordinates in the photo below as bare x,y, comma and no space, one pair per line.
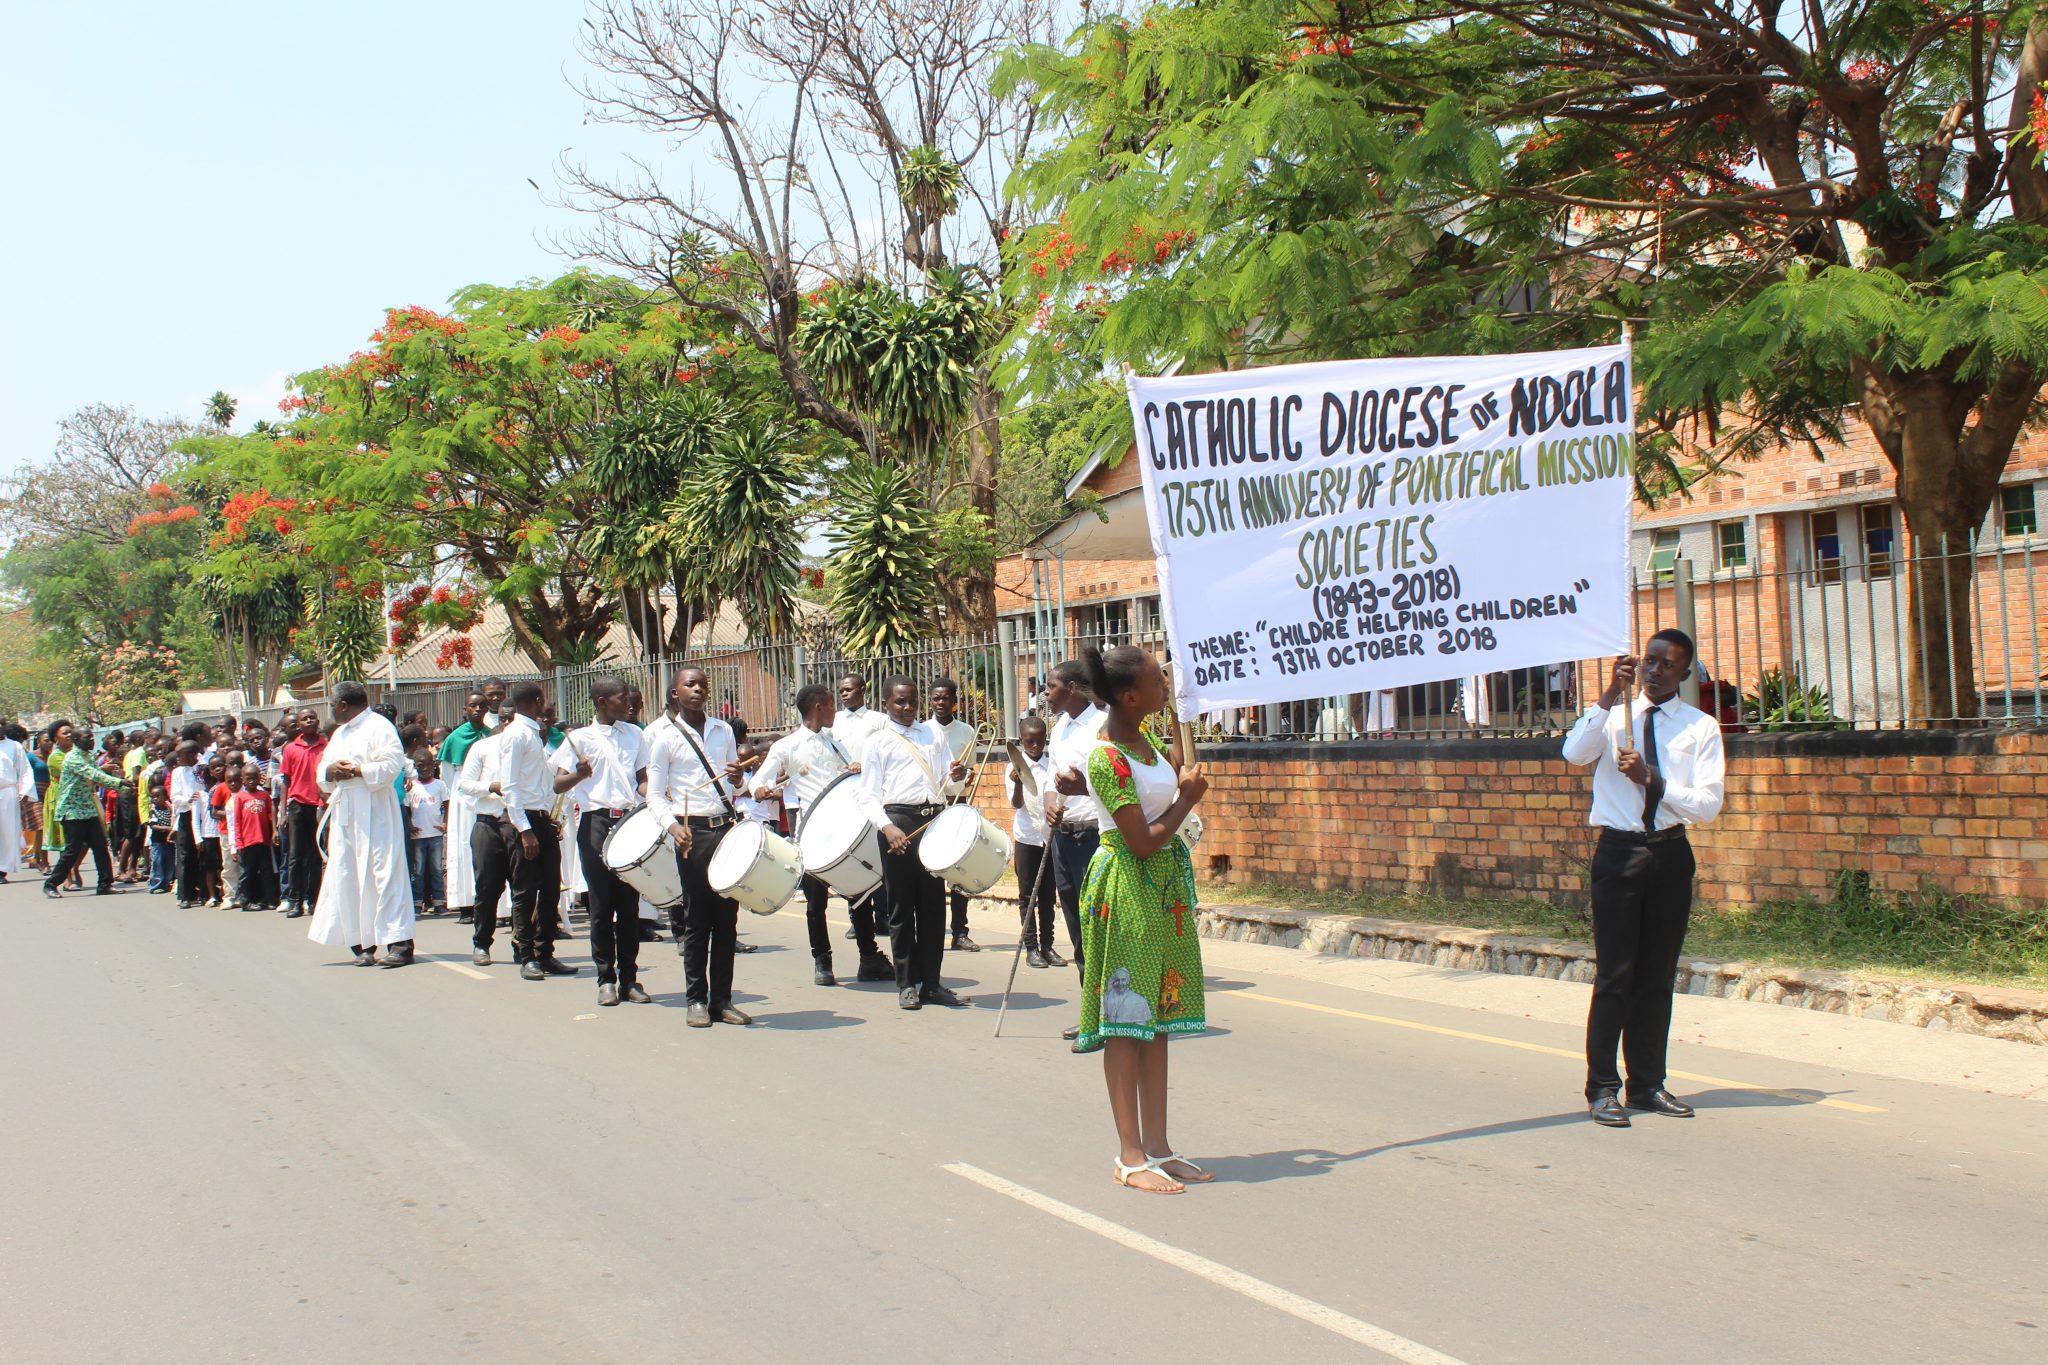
1878,539
2016,515
1663,555
1148,616
1825,534
1734,544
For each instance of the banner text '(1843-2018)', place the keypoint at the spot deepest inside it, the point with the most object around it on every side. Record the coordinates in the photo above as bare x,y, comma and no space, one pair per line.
1353,526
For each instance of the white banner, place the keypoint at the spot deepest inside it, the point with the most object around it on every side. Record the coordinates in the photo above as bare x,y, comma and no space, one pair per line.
1352,526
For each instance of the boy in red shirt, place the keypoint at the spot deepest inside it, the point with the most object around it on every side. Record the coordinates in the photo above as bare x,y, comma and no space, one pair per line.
255,831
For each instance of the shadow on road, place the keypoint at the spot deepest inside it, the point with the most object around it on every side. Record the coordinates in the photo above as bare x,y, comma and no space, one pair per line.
807,1021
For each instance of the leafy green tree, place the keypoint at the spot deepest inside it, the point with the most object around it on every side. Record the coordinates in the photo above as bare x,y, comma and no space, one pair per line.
1805,217
884,568
220,411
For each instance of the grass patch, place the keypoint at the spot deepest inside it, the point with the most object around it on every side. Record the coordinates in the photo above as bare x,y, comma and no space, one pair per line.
1926,934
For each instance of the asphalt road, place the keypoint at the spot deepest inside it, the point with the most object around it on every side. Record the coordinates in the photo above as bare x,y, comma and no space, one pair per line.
221,1142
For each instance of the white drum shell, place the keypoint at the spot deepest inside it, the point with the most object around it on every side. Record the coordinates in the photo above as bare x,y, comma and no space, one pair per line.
639,853
965,849
756,867
838,843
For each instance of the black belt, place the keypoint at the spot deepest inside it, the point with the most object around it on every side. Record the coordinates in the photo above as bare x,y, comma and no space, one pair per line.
1670,835
1074,829
491,820
710,821
925,812
613,812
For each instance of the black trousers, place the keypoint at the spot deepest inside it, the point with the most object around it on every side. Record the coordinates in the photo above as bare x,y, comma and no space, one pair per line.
82,837
303,872
536,886
259,876
958,899
1073,849
1642,898
491,856
711,923
614,906
1036,929
917,906
187,852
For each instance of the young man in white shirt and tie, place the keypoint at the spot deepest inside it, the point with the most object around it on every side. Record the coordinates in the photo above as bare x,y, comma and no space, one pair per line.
1658,768
603,766
799,767
906,773
692,774
959,736
528,782
852,724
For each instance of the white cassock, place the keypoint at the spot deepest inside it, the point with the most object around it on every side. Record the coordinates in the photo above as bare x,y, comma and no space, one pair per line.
460,869
366,890
17,784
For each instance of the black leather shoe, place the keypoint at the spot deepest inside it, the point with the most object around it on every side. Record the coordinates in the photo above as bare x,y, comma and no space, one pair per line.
530,971
52,892
481,957
104,891
908,998
876,968
398,955
940,995
365,957
1053,958
554,966
964,944
821,974
636,994
1661,1101
742,946
1607,1111
464,917
699,1015
296,912
607,994
732,1014
1034,958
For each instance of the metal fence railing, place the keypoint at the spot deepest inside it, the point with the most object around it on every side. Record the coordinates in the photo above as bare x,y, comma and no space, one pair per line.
1823,646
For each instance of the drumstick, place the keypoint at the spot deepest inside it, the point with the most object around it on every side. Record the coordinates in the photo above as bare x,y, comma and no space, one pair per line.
745,765
1037,889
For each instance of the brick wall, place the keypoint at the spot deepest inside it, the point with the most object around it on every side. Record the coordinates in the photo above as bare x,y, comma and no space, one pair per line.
1966,811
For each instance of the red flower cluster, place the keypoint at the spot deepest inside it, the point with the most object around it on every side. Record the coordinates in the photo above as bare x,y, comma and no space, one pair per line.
1316,41
2037,120
403,324
456,651
568,336
145,520
260,507
161,490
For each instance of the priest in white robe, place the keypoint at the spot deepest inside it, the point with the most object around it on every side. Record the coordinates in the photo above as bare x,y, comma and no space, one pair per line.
17,795
366,895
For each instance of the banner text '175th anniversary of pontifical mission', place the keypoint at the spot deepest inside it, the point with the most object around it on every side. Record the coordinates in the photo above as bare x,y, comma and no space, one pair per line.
1353,526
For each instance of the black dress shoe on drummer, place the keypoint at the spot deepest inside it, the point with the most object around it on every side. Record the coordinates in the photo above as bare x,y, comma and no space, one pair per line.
607,994
728,1013
1607,1111
821,974
1034,958
698,1015
1053,958
909,998
964,944
875,967
636,994
742,946
554,966
481,957
1661,1101
529,970
940,995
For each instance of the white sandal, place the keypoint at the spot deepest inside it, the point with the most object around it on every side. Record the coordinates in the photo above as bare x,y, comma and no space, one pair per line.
1124,1174
1200,1176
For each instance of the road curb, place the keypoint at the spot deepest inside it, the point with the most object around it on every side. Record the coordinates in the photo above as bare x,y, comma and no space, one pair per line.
2019,1016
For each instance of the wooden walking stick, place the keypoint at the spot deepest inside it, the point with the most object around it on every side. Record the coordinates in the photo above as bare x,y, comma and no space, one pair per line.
1037,890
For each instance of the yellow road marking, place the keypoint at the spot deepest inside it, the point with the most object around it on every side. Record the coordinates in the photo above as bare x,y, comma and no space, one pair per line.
1831,1103
466,971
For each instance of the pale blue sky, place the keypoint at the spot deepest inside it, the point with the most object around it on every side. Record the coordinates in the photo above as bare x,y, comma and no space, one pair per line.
217,193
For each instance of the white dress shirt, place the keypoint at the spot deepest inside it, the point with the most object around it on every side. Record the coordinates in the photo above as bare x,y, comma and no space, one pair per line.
1689,760
853,728
903,766
677,786
187,789
1072,739
616,754
959,734
1028,826
479,774
524,771
803,763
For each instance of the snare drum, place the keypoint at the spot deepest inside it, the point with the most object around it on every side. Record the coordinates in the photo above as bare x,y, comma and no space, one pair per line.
756,867
964,849
639,853
838,841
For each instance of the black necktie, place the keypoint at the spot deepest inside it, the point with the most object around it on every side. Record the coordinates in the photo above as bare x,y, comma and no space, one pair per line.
1653,788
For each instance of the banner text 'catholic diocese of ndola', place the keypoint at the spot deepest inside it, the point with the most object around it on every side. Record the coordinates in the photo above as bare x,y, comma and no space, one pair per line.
1353,526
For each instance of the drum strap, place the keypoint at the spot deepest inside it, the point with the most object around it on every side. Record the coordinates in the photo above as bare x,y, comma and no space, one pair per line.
938,792
716,785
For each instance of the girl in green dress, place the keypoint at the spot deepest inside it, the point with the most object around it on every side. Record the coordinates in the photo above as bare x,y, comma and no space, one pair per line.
1143,979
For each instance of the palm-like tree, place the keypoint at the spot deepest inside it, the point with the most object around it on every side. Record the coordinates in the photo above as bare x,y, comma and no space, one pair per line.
885,565
733,526
220,410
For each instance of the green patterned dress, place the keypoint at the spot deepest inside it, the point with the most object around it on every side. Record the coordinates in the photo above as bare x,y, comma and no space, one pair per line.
1138,933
